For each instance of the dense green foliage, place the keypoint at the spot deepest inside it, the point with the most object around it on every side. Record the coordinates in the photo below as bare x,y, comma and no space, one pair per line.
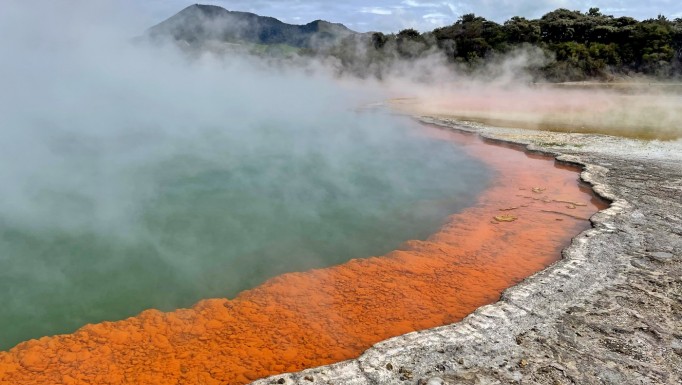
562,45
575,45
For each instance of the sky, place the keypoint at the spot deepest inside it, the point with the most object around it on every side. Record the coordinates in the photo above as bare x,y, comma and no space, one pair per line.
423,15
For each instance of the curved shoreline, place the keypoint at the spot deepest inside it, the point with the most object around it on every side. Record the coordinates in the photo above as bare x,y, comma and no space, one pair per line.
302,320
609,312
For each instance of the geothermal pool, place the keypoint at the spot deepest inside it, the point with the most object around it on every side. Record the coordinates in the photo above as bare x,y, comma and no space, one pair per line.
529,210
210,223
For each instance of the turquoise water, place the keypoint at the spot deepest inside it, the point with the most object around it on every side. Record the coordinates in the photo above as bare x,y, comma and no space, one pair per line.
122,224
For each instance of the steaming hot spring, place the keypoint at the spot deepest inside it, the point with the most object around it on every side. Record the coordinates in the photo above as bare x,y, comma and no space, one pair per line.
404,226
209,222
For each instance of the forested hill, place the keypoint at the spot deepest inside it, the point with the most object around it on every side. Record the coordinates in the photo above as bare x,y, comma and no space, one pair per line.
579,45
572,45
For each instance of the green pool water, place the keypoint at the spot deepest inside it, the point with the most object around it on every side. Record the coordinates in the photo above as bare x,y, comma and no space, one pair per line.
118,224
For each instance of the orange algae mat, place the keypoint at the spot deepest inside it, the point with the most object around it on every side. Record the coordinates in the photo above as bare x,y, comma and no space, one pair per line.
301,320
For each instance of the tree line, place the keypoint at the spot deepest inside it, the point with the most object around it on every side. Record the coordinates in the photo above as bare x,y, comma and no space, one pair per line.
577,45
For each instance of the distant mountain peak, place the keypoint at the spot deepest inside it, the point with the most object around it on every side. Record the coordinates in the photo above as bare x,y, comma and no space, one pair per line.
199,24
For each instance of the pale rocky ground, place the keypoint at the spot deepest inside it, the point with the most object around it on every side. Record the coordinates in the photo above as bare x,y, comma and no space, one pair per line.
610,312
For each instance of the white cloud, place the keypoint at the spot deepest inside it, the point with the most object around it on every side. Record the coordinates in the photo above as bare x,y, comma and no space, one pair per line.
437,19
453,9
376,10
417,4
434,16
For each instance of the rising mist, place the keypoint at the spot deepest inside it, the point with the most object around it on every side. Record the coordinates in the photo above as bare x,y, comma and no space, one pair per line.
120,155
135,176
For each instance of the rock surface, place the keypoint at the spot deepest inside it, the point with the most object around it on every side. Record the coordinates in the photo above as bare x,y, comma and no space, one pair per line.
610,312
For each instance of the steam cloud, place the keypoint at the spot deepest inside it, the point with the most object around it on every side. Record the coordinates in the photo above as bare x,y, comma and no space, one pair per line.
135,176
96,132
503,92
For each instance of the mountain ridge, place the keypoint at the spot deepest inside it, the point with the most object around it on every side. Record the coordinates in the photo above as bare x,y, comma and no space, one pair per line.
199,24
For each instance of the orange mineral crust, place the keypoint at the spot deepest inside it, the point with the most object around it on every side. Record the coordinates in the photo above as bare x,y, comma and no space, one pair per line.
301,320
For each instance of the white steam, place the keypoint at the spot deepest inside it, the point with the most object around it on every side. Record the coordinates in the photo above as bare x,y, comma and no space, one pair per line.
136,176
